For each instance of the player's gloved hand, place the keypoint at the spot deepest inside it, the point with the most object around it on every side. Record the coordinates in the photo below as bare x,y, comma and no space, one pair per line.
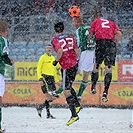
55,63
41,81
53,93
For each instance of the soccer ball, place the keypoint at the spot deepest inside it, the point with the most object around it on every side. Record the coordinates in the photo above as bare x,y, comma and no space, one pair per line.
74,11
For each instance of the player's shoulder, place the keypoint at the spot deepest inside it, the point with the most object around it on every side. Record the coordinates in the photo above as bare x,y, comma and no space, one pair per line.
85,26
55,37
112,22
43,55
70,35
2,39
53,40
96,20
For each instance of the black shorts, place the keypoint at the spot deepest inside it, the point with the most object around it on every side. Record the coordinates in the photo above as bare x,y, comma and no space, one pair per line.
49,83
105,51
70,76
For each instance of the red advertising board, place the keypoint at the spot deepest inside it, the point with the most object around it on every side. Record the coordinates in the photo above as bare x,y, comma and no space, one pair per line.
125,70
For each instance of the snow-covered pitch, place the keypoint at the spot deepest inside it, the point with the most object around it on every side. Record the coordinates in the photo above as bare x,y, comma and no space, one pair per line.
92,120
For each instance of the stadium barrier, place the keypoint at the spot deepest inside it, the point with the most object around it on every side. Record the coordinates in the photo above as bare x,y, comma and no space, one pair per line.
29,93
22,88
27,71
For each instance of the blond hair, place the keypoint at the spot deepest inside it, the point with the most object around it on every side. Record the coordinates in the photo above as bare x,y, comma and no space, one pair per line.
79,19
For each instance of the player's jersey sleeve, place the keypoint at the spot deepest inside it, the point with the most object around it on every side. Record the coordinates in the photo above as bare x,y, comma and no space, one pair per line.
56,44
4,50
56,78
39,67
92,27
116,28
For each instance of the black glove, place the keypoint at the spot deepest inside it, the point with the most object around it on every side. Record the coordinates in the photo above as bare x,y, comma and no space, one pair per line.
41,79
55,63
6,59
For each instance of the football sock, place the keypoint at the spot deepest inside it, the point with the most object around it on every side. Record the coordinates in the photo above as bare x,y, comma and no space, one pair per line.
70,102
60,89
107,81
94,78
75,98
82,88
47,107
44,104
0,116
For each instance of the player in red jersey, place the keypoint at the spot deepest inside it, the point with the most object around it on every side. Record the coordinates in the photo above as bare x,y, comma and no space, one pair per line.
67,52
107,34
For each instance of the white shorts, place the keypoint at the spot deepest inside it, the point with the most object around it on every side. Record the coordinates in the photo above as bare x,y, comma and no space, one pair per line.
86,61
2,85
132,117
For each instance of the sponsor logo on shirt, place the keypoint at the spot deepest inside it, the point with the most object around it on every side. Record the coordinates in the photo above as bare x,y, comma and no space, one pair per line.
5,49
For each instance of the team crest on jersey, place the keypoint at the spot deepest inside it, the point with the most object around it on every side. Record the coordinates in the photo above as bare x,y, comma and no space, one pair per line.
5,49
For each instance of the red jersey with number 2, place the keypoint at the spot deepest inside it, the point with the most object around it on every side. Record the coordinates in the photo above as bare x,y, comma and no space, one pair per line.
103,29
68,44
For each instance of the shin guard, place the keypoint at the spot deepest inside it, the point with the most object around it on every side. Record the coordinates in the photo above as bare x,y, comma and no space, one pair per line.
70,102
75,98
107,81
94,78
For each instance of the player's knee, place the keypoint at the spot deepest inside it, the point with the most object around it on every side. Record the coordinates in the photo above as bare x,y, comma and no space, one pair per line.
0,101
85,76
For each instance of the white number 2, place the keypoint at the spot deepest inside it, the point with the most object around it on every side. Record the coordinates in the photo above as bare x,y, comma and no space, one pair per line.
105,24
70,44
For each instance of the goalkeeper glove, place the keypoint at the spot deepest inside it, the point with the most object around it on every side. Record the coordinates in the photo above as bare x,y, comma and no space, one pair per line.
41,79
55,63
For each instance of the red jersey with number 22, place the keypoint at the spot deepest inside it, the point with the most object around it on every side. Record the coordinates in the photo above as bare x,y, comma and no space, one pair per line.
68,44
103,29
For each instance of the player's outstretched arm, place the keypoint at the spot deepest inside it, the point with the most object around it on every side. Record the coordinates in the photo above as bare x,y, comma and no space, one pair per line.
118,36
77,52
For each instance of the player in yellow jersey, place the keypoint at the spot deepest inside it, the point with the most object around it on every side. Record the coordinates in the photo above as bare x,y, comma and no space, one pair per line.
47,76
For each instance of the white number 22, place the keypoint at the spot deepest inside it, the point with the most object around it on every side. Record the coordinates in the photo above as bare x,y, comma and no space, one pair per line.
105,24
64,43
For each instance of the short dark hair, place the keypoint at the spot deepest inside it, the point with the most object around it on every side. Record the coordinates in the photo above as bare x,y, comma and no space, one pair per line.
59,27
48,45
98,15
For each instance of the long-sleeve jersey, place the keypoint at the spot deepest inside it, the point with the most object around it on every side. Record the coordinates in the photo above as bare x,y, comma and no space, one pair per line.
68,44
4,50
82,38
46,67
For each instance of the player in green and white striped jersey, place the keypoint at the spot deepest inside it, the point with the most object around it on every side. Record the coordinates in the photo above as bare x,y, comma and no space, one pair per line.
4,59
87,48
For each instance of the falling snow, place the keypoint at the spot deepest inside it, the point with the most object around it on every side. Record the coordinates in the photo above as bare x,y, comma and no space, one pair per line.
92,120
